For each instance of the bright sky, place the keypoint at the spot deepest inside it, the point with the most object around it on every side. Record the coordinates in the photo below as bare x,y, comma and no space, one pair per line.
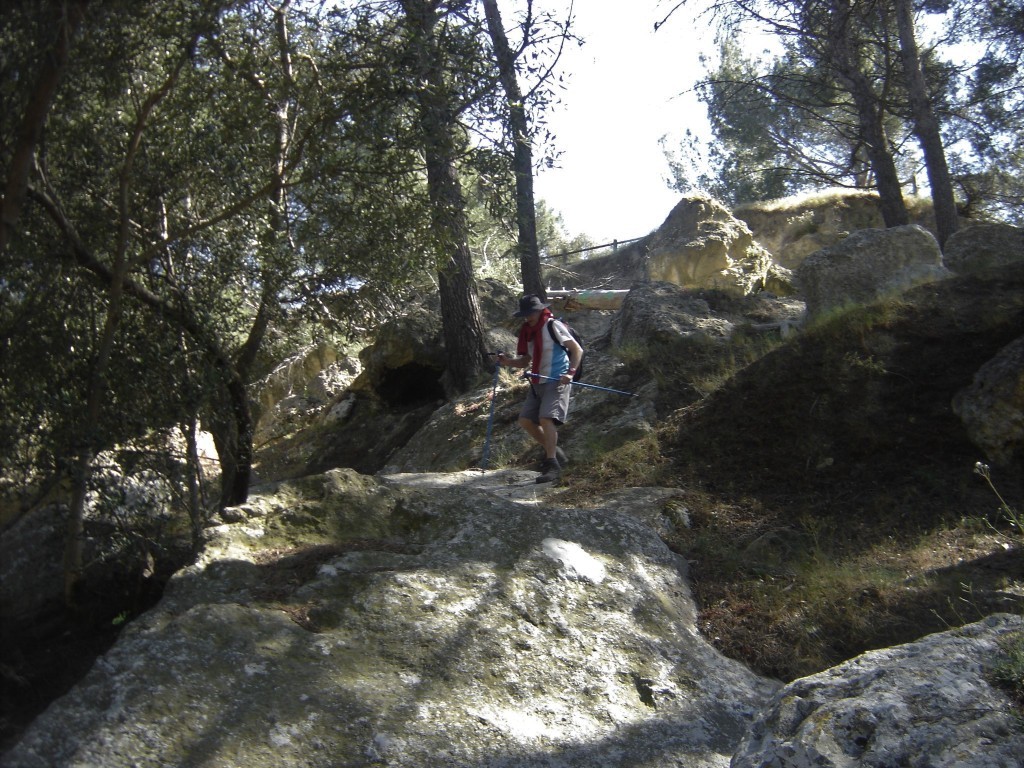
626,91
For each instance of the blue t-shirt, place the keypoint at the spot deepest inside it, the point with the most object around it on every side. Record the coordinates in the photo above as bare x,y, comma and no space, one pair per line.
554,360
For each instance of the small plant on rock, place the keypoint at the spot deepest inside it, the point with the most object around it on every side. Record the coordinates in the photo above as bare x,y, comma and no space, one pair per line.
1008,674
1009,514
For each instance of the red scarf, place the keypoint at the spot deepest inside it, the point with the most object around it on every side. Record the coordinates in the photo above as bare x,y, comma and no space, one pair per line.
532,333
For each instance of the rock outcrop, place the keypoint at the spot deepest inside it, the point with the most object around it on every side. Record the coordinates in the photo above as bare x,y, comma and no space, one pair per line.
456,620
701,245
664,312
929,703
793,228
300,389
465,619
983,246
412,621
868,391
992,407
869,265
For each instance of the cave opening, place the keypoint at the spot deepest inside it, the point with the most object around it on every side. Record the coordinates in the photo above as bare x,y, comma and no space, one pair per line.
411,385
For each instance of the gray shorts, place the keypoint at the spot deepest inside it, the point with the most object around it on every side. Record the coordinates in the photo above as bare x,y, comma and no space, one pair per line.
549,400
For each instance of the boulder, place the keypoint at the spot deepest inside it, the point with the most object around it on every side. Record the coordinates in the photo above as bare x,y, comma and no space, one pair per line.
405,364
792,228
300,388
928,703
665,312
701,245
983,246
661,312
412,620
992,407
406,360
869,265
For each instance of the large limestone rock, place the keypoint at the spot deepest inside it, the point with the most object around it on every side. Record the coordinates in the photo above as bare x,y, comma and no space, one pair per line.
929,703
405,362
664,312
660,312
869,265
301,388
992,407
983,246
400,386
412,621
701,245
793,228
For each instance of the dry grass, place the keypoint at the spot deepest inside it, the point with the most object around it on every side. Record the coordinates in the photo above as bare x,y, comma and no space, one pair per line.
828,197
795,599
1010,673
791,592
634,464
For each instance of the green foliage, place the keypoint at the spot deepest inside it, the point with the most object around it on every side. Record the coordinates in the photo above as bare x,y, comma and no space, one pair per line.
788,122
492,230
992,113
262,185
782,126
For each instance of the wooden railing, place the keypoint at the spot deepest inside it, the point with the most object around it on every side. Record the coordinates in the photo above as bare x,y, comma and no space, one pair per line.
614,245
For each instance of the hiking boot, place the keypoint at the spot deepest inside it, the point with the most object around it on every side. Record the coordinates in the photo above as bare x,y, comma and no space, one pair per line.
550,471
559,454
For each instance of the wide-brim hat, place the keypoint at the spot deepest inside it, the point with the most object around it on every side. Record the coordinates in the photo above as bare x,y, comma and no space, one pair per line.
530,304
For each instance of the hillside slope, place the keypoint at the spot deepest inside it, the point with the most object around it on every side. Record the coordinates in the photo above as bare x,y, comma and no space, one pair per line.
832,487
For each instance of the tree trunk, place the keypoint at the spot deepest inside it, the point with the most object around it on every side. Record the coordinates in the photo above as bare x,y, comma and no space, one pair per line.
462,325
234,435
194,479
846,60
54,62
926,126
74,544
522,154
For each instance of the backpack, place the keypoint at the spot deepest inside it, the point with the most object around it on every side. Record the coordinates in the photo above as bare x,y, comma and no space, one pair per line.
579,340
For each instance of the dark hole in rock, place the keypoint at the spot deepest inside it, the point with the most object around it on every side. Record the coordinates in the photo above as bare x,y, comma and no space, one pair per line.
410,386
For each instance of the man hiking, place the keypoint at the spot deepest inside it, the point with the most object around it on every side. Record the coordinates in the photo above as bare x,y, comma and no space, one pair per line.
552,356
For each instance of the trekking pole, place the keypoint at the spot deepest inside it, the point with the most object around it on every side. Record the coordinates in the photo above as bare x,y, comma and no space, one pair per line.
581,384
490,419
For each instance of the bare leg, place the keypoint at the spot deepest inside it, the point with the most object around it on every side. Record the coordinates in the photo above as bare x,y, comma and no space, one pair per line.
544,433
550,437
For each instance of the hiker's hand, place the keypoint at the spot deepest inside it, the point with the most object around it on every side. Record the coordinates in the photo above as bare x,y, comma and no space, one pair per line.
501,359
565,378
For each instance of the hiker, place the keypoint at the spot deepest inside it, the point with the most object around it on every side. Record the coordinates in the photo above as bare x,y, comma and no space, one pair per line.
552,357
